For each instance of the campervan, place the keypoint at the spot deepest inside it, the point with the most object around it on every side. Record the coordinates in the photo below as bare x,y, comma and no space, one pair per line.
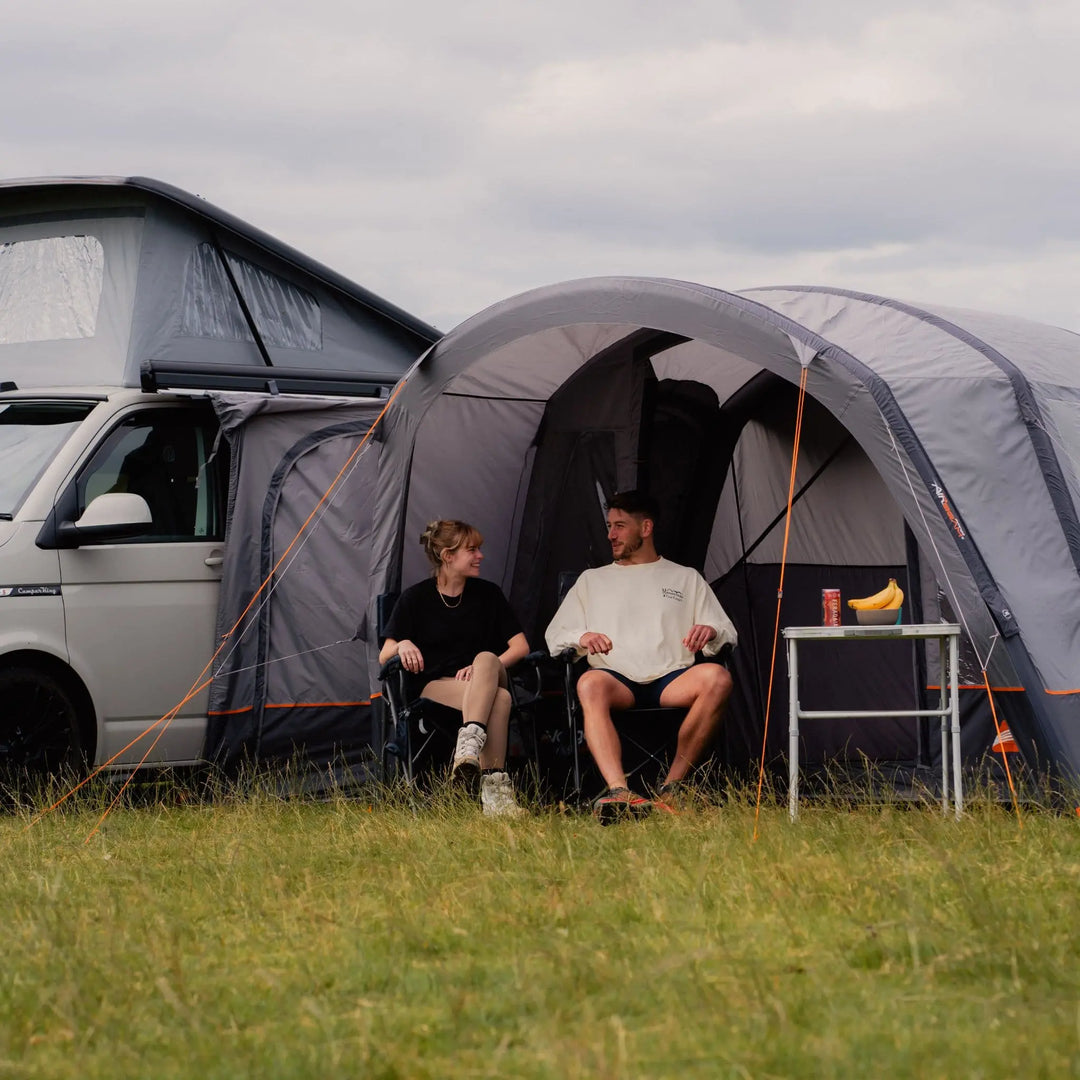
125,305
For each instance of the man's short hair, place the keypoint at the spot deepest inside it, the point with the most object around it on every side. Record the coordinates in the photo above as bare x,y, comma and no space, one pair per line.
638,503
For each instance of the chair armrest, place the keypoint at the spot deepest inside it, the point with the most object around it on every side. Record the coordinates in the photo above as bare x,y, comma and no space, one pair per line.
525,672
391,667
723,657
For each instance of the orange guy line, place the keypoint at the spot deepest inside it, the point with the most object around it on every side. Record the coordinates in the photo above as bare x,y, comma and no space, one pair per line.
780,587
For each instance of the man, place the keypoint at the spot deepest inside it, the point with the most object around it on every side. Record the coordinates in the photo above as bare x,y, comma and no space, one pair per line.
640,620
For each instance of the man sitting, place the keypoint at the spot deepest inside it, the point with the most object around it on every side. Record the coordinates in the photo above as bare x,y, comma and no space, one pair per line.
640,620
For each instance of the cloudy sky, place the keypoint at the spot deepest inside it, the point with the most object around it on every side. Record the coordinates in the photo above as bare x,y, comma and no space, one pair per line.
447,156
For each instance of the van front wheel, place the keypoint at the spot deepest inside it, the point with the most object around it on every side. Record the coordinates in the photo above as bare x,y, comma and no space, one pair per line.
39,725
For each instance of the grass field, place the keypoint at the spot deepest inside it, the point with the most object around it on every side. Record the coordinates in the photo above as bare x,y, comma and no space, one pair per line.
263,938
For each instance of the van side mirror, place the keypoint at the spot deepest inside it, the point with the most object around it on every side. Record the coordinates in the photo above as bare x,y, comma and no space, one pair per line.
112,516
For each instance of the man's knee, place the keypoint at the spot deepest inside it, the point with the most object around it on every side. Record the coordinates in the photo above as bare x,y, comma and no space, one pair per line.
716,681
502,699
597,687
707,684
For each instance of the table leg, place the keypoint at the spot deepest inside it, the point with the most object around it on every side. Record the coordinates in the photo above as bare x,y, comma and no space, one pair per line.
943,704
793,729
954,690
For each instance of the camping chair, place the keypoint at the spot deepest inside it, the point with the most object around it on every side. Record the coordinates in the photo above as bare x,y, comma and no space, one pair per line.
642,755
415,727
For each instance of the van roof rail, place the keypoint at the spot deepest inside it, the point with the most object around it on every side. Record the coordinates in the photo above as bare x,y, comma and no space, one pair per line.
157,375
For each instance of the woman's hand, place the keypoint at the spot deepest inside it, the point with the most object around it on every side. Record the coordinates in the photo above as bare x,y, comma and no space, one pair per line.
465,674
410,656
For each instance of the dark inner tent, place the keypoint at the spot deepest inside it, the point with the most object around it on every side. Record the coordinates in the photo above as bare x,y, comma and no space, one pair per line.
914,462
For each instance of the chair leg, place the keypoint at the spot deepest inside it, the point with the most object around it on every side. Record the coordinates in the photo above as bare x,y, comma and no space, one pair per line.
409,777
572,708
526,717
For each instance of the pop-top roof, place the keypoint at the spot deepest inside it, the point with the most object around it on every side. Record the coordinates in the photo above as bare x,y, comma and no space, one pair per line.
101,275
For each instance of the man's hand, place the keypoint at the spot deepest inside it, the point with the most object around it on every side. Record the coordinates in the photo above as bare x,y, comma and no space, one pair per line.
698,637
595,643
410,656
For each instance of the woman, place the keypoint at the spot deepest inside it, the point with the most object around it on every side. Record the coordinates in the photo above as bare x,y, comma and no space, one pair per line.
457,633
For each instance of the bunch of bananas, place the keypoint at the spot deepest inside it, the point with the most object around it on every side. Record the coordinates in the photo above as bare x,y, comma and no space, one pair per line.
890,598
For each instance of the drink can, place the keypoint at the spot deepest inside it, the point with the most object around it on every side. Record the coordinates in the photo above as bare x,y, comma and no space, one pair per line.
830,607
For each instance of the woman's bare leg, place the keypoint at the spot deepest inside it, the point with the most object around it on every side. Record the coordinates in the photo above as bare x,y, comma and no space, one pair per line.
482,700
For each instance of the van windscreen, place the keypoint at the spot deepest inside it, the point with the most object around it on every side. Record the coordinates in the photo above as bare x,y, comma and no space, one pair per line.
31,432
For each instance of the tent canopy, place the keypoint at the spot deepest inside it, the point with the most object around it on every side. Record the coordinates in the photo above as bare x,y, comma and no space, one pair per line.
940,445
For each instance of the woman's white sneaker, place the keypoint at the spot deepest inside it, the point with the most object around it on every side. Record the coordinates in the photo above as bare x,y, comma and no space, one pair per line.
466,767
497,796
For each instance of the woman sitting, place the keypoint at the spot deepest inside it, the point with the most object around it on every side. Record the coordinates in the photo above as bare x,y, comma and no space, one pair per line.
459,634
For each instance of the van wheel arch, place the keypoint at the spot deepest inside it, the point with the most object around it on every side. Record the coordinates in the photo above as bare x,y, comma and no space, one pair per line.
64,695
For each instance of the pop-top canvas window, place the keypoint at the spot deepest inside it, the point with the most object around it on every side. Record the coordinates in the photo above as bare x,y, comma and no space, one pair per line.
285,316
50,288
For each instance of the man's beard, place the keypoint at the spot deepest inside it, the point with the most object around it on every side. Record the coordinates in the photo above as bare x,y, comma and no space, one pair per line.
629,547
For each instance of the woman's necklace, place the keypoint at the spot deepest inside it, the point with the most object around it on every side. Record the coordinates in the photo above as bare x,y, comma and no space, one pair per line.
446,603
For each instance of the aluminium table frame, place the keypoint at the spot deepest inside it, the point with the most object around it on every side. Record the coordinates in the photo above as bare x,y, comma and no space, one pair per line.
948,710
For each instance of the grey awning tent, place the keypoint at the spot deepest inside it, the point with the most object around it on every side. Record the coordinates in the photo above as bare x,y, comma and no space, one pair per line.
939,446
291,681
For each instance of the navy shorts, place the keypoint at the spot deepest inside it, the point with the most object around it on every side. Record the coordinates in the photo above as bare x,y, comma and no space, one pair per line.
647,695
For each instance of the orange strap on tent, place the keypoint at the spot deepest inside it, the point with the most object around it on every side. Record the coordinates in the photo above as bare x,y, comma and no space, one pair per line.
201,682
1004,756
780,587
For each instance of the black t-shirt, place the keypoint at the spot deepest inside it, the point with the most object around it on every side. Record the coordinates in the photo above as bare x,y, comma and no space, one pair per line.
450,638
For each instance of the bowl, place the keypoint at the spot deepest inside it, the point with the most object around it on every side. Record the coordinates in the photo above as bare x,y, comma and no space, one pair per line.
878,616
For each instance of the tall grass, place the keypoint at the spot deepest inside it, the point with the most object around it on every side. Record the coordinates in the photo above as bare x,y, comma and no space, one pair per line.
261,937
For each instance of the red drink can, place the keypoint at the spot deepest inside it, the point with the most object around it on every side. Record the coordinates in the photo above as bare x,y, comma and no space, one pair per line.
830,607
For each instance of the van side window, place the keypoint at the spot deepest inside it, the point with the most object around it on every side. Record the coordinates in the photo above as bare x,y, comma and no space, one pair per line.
51,287
166,456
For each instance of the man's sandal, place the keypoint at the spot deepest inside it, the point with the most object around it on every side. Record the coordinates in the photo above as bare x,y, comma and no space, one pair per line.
620,804
677,797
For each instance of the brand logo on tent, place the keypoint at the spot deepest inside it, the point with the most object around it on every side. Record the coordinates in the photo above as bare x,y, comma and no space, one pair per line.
946,509
1005,743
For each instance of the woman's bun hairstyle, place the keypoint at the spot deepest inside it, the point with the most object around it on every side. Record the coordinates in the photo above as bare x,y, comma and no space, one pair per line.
445,535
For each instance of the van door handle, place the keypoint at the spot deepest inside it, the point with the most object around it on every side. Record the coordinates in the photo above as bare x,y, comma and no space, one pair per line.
216,559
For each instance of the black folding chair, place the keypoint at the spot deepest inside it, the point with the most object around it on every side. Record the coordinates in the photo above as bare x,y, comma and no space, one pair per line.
642,755
419,733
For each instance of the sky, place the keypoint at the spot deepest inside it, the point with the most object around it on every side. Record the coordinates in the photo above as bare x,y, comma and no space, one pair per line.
447,156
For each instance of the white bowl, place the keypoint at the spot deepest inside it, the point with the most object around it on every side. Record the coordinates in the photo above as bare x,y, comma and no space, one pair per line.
878,616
